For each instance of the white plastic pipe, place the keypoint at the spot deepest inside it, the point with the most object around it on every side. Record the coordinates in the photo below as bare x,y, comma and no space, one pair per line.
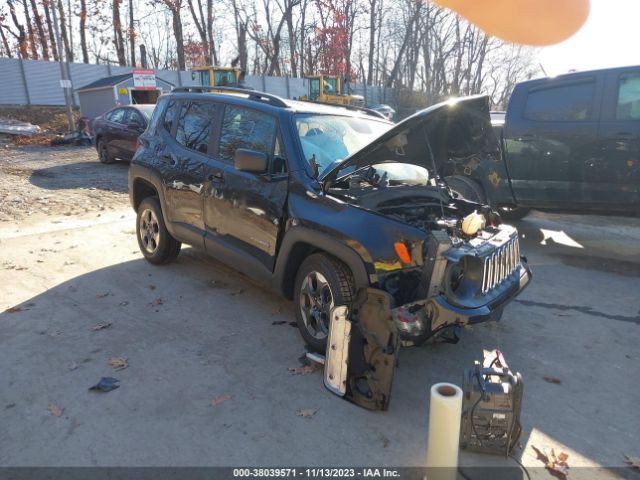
444,430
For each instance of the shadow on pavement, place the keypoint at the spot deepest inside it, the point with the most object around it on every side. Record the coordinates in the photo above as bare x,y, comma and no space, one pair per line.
112,177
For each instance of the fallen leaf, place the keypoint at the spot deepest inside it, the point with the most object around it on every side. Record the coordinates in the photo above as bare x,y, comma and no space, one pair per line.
556,465
633,462
156,302
102,295
385,442
305,370
276,310
278,322
307,412
101,326
237,292
55,410
73,366
221,399
13,310
152,287
553,380
118,363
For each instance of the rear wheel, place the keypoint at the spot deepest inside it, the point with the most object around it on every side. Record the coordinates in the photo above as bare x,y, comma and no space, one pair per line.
155,242
467,188
103,152
322,282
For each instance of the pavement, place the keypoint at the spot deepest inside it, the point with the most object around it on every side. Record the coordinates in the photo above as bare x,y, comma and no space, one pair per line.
209,353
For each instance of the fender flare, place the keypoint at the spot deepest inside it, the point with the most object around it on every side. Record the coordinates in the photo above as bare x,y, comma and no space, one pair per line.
323,242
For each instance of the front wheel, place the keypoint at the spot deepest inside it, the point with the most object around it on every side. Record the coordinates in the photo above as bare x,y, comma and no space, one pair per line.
322,282
155,242
513,213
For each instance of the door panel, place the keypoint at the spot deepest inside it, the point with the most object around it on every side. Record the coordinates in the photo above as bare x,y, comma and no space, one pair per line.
552,143
244,210
130,134
615,178
184,163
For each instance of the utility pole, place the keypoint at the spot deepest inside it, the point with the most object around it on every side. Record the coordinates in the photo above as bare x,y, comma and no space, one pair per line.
65,82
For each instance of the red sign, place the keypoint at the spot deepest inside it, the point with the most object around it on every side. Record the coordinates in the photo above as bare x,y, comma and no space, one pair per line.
144,79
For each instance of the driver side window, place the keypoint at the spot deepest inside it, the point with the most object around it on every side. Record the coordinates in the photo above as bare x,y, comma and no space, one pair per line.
246,128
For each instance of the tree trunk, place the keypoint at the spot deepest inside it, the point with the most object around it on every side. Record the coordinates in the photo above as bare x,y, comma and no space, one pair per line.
212,43
118,39
177,31
292,45
21,36
52,39
132,35
372,39
41,35
5,43
83,31
31,35
63,32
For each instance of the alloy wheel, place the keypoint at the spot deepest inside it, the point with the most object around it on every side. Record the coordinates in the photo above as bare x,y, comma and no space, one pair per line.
316,302
149,231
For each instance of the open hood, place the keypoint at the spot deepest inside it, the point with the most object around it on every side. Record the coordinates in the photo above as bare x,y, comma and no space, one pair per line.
456,129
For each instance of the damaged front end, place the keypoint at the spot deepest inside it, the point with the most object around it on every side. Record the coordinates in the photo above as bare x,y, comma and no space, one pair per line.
441,261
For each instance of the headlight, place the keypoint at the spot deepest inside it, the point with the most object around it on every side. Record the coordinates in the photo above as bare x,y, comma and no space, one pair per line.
463,280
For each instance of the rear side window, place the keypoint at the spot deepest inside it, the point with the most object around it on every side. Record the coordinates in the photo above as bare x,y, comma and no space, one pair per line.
116,116
135,118
194,125
564,103
246,128
169,115
628,107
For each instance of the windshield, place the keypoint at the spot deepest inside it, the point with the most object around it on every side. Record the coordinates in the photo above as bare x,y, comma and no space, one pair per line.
328,139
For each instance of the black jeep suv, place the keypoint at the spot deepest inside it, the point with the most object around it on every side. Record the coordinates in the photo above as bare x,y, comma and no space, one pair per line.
336,208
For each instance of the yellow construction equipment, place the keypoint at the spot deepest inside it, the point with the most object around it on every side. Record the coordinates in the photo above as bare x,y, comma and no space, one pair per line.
328,89
219,76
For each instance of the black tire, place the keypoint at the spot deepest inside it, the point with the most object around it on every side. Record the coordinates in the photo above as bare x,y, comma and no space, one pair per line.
467,188
513,213
312,314
155,242
103,152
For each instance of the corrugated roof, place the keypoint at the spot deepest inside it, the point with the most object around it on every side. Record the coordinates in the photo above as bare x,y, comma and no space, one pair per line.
108,81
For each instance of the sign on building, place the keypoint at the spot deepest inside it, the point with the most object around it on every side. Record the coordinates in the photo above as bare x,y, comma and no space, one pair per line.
144,79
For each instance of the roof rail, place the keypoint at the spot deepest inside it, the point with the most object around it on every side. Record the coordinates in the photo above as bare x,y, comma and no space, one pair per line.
366,110
252,94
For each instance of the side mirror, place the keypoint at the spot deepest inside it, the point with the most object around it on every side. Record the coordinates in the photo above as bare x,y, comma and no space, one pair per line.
247,160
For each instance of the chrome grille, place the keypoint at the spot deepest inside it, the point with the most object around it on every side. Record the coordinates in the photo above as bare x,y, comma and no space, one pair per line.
500,264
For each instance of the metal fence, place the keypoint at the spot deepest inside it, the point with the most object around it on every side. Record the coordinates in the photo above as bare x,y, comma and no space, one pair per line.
36,82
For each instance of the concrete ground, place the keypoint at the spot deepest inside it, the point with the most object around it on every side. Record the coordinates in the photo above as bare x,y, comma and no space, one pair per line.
208,351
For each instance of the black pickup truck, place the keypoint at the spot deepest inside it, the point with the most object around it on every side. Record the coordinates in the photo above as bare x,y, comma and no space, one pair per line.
570,142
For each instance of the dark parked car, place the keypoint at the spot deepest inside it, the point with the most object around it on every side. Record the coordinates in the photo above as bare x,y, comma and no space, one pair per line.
116,132
570,142
337,209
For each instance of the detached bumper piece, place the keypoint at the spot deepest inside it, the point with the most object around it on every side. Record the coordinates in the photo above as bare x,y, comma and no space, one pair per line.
362,350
